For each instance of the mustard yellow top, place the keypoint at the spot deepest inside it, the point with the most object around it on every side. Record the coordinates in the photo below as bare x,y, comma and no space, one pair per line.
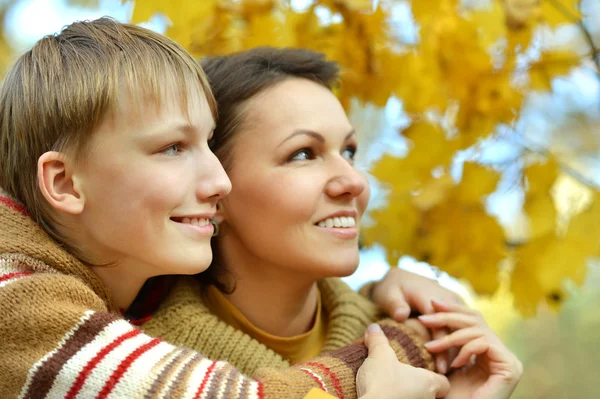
296,349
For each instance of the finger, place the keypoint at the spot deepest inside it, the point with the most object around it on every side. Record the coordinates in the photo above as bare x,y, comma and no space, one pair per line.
457,338
505,361
443,306
376,342
451,320
475,347
441,359
391,300
439,384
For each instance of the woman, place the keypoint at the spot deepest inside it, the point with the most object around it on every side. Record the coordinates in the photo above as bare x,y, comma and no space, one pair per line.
104,155
290,222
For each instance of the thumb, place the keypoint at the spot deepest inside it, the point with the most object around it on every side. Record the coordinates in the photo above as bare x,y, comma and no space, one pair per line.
376,342
390,298
440,384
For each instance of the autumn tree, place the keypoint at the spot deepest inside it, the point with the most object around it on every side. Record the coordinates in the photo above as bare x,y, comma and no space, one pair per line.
463,80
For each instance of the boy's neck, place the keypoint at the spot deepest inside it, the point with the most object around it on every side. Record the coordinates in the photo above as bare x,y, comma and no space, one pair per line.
122,283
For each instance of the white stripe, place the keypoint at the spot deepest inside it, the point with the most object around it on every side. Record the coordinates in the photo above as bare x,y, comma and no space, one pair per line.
318,377
253,390
225,380
34,369
9,265
73,367
12,280
196,377
175,372
218,366
102,372
138,379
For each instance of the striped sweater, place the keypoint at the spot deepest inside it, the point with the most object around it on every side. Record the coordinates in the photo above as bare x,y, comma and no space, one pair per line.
348,315
62,336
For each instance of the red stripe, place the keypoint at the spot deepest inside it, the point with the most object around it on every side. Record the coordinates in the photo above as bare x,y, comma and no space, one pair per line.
13,205
205,380
331,375
124,366
314,377
260,390
9,276
84,374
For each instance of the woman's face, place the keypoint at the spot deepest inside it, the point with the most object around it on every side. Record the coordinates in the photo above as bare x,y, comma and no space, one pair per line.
150,183
297,198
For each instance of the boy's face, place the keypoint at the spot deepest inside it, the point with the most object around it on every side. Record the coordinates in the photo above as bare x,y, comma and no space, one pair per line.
150,183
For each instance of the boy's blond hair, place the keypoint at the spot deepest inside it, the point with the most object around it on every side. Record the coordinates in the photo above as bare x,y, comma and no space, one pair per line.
58,92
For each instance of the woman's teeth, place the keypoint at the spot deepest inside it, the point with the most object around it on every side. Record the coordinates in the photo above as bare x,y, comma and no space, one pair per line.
195,222
338,222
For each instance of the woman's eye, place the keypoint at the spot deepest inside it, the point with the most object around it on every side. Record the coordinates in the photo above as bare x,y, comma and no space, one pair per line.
172,150
304,154
349,153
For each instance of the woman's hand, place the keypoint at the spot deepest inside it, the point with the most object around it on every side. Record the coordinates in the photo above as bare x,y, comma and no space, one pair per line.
486,368
382,376
400,291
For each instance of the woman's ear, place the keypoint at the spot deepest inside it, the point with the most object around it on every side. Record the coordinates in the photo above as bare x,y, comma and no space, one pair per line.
59,187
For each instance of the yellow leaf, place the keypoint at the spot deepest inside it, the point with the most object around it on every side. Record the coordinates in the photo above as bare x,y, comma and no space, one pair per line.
432,192
430,148
557,12
464,241
477,182
541,266
541,214
541,176
394,228
520,13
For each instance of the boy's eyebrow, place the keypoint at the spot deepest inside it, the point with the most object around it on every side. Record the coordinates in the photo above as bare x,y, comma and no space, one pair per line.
313,134
182,127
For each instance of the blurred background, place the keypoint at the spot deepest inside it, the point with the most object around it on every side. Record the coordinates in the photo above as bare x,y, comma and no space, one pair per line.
480,127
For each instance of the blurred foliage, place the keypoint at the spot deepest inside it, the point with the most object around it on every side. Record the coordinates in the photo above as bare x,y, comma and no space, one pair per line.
466,75
463,68
559,349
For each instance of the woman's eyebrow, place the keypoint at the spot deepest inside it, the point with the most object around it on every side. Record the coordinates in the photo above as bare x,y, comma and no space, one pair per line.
313,134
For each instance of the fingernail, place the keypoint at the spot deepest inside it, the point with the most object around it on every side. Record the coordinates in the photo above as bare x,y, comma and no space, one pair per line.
401,313
453,364
427,317
438,302
430,343
442,366
374,328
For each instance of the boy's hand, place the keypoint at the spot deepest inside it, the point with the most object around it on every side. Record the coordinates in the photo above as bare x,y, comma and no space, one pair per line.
382,376
400,291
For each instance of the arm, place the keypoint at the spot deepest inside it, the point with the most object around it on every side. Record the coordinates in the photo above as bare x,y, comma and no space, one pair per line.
400,291
59,340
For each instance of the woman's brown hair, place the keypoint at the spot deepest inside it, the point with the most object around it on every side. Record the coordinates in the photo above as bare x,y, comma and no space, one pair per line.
235,79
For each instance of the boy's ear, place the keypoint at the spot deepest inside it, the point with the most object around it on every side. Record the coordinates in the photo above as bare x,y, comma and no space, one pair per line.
57,184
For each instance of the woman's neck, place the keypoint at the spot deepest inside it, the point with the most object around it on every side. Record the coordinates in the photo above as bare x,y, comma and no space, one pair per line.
273,298
273,302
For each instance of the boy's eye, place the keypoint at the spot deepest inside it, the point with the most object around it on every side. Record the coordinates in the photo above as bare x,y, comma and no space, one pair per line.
172,150
349,153
304,154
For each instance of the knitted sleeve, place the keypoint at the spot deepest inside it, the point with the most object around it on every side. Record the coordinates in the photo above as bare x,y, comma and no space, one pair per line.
58,340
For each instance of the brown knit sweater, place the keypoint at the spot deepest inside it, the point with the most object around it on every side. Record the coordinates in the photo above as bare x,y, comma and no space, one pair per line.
349,314
61,336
